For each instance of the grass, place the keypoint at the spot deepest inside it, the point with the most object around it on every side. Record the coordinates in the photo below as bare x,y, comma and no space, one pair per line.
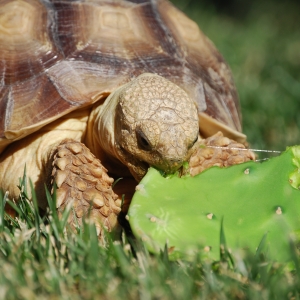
41,258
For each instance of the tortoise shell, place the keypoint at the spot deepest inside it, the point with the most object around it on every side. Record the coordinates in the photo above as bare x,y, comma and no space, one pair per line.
59,56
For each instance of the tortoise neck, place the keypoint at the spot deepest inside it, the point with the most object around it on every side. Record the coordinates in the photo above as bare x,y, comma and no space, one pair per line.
100,136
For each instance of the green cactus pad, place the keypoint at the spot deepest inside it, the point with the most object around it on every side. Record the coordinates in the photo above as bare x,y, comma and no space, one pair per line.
252,199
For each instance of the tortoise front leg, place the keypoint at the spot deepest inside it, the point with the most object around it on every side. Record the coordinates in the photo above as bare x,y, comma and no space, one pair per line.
217,150
82,180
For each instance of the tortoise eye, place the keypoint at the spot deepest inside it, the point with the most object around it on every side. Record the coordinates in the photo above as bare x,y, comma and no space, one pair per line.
142,140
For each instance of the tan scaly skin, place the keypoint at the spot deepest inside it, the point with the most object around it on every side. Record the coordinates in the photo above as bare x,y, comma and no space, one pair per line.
147,122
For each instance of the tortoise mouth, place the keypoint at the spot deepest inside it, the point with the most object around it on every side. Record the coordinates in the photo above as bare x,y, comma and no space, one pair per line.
170,166
139,167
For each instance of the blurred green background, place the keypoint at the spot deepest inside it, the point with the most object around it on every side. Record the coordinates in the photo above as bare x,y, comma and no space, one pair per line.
260,40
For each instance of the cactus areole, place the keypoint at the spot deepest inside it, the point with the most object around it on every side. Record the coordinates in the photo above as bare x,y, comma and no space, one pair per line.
253,200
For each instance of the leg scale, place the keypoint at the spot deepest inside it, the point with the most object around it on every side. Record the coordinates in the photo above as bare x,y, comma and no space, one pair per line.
82,180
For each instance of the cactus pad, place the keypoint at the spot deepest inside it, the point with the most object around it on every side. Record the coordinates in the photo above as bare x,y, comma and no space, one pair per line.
252,199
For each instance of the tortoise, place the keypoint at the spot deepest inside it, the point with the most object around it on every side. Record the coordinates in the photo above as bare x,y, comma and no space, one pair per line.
97,87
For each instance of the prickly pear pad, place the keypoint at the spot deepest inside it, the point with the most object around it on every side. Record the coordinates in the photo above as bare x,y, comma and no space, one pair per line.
252,198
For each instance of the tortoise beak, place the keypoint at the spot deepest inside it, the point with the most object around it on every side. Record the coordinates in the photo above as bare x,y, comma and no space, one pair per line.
171,165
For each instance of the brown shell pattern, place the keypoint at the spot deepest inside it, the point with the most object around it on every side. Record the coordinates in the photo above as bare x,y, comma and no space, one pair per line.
57,56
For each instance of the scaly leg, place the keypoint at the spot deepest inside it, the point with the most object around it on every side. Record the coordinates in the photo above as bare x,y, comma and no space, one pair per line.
226,153
83,181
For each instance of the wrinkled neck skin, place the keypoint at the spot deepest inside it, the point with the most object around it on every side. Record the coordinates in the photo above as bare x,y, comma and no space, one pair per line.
101,128
100,134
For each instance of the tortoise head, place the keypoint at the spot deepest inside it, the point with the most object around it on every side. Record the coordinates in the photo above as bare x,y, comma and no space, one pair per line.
156,124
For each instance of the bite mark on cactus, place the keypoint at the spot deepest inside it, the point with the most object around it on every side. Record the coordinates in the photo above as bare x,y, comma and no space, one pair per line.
278,210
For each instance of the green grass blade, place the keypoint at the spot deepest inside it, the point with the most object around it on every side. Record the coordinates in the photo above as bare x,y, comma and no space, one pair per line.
54,219
3,199
37,217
